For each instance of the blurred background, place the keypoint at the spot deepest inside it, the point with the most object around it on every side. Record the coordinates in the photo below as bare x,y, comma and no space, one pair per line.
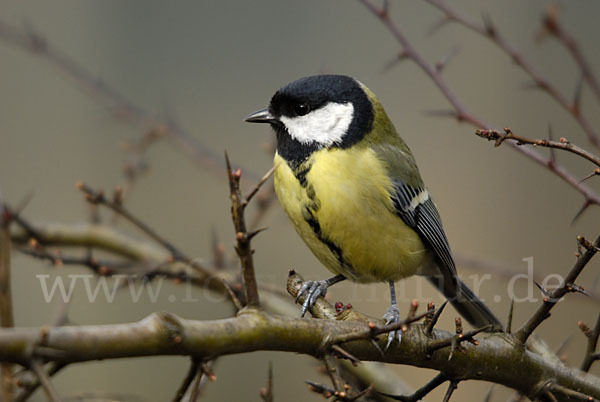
205,66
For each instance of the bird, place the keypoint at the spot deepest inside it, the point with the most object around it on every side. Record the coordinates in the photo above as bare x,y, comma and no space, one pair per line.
352,189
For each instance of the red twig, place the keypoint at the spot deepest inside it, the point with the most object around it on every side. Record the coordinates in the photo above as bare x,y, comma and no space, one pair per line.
462,114
567,286
488,30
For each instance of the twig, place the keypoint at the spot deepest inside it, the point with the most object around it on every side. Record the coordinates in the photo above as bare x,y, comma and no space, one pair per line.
488,30
455,340
267,393
196,389
334,375
421,392
44,380
204,373
374,330
436,316
570,394
167,334
187,381
543,311
462,114
98,198
341,352
552,26
38,45
563,144
6,303
592,336
507,272
243,237
451,388
509,320
30,388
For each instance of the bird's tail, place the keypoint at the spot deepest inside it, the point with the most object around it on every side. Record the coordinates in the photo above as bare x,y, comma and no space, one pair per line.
467,303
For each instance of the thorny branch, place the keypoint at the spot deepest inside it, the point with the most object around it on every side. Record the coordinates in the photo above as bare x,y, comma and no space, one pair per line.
6,304
592,335
244,238
563,144
494,358
123,108
551,26
460,112
167,334
488,30
568,285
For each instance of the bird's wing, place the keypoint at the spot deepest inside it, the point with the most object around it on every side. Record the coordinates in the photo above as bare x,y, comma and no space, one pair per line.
416,208
413,204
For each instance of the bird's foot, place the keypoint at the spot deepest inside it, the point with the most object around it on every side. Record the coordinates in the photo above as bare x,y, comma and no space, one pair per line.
392,316
313,290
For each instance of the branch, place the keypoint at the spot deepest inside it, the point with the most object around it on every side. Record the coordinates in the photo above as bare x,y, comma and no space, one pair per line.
592,335
244,238
568,285
563,144
6,303
494,359
36,43
552,26
97,198
488,30
462,114
421,392
44,381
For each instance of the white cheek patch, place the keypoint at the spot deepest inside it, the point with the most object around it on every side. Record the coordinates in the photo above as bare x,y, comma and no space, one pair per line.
326,125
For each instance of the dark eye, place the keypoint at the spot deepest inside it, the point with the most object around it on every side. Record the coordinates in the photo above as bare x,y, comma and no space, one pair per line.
302,108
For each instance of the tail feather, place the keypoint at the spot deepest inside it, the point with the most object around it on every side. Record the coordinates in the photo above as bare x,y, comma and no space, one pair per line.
467,303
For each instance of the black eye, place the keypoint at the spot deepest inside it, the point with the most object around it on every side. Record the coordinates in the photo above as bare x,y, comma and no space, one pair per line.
302,108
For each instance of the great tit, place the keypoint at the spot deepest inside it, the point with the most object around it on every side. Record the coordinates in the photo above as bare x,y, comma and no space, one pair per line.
352,189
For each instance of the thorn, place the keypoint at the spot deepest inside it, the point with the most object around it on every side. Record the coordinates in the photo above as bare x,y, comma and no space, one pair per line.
596,172
401,56
571,287
385,8
488,396
585,206
552,151
544,291
441,64
510,316
488,24
438,25
453,344
23,204
451,387
345,354
563,345
374,342
253,233
577,97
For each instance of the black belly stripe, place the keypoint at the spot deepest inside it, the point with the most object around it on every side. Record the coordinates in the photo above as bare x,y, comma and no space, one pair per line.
335,249
301,173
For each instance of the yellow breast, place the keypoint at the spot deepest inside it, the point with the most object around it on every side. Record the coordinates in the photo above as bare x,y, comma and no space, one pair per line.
341,208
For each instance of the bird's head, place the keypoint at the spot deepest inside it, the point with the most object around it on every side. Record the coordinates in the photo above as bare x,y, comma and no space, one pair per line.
321,111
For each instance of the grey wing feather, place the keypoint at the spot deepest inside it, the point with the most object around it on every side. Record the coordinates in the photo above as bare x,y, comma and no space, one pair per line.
425,219
419,212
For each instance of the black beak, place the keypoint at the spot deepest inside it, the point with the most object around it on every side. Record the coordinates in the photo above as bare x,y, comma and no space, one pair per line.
260,116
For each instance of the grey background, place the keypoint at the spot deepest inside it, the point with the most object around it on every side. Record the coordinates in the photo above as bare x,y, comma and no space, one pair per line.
207,65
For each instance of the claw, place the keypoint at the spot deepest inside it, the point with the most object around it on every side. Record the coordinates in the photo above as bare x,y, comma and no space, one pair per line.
312,289
391,316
